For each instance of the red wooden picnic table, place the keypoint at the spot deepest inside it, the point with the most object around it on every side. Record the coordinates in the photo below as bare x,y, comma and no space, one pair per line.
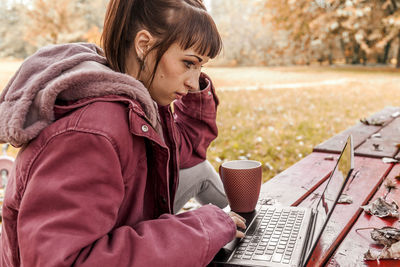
343,243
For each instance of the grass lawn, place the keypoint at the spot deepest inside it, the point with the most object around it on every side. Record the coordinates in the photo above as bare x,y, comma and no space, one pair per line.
279,126
277,115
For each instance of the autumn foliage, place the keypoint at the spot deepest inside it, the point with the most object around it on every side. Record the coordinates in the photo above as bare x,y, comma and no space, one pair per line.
256,32
356,31
37,23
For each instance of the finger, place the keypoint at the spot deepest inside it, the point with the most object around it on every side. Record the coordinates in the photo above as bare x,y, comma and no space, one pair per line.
237,215
239,222
239,234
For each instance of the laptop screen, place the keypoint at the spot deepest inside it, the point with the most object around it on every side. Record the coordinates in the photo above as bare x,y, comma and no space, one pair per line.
334,188
335,181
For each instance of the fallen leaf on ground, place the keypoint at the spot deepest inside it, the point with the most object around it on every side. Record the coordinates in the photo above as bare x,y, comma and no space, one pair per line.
381,208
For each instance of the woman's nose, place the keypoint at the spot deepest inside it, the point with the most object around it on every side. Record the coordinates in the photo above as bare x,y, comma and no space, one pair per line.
192,82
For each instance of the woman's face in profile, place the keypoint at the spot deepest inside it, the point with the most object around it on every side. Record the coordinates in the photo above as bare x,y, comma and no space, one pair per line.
177,73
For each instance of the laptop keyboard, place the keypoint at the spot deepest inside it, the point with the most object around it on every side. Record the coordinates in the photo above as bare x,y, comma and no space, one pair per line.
272,236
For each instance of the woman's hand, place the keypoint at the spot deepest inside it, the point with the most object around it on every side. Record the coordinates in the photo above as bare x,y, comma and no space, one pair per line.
239,221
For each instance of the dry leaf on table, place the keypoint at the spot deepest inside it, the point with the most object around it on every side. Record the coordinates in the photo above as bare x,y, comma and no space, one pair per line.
376,135
390,238
395,114
345,199
386,236
377,147
389,160
381,208
375,122
329,158
392,252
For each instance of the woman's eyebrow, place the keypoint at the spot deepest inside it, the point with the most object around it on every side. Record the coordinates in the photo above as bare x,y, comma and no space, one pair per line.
198,58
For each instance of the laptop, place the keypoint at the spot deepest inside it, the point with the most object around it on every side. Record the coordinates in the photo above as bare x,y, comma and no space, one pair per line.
287,236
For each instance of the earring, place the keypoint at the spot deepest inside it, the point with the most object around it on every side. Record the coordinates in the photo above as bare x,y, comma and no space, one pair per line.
141,63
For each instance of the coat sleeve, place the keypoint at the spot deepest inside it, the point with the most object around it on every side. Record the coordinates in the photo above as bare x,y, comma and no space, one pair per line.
195,117
69,210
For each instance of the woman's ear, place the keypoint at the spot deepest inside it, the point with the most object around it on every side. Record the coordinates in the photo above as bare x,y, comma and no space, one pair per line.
143,41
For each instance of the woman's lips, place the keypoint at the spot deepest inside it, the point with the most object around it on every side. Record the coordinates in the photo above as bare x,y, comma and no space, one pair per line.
179,95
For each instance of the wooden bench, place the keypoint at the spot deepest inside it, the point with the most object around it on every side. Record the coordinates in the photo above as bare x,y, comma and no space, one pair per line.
341,244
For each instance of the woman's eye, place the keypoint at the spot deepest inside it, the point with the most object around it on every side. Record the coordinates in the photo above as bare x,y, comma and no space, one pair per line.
188,63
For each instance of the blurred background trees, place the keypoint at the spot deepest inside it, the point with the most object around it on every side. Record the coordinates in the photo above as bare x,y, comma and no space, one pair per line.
353,31
255,32
28,25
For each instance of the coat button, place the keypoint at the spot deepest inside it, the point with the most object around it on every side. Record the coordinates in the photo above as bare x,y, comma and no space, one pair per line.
209,93
145,128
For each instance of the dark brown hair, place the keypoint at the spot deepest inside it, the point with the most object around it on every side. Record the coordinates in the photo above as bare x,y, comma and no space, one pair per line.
185,22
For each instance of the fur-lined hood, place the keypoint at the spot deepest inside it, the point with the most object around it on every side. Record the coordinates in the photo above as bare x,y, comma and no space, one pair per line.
67,72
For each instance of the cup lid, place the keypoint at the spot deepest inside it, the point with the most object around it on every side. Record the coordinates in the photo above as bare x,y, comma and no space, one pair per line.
241,164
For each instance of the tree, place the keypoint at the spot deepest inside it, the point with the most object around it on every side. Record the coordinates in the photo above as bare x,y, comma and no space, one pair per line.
362,30
53,22
392,27
11,31
293,17
27,25
247,39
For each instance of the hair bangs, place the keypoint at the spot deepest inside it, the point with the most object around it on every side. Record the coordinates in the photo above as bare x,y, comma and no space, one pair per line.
199,32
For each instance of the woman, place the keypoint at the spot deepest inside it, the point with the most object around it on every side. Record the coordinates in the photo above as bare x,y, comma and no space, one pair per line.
96,177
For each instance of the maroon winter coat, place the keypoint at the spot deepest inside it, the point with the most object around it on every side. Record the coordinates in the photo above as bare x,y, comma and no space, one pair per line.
94,182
